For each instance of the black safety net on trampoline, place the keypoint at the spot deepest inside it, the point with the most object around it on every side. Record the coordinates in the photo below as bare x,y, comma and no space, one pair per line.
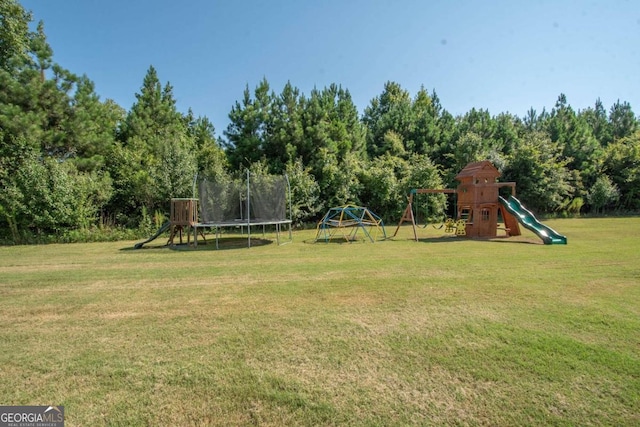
255,199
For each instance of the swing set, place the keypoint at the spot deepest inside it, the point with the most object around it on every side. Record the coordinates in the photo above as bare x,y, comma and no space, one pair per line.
457,226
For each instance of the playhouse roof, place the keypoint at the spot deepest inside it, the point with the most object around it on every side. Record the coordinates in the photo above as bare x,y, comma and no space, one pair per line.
476,169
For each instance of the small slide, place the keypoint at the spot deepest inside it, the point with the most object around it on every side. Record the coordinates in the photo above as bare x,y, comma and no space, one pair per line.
548,235
162,229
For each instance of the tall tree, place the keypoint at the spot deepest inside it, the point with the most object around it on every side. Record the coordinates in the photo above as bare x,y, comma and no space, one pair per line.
441,154
622,165
470,139
346,130
426,133
211,158
540,171
622,120
333,142
91,126
507,132
14,33
392,110
52,123
284,133
581,150
246,131
479,122
597,120
157,156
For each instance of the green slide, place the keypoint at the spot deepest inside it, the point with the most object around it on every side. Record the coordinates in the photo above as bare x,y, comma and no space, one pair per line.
162,229
548,235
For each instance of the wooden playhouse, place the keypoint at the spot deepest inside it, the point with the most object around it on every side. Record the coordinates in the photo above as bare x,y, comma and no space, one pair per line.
478,206
478,201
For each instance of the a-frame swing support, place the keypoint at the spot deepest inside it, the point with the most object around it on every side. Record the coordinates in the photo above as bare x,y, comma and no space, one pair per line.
408,212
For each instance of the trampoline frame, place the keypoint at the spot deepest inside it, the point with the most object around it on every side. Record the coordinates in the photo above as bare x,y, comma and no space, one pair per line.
218,226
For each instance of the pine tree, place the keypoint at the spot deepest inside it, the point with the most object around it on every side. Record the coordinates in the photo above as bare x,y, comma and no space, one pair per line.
52,122
246,132
14,33
284,130
622,121
156,159
392,110
211,158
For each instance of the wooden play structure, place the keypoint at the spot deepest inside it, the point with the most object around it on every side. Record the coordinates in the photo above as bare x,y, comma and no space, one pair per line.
478,203
183,217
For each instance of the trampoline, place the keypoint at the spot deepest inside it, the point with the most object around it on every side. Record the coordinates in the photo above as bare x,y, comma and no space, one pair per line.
257,201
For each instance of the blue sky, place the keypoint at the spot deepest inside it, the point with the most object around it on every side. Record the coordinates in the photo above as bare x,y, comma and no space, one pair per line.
500,55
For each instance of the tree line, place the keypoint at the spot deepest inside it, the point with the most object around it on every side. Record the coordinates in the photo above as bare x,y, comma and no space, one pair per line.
72,164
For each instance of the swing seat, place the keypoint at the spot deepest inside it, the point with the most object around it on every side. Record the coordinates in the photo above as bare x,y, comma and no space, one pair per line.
449,225
461,227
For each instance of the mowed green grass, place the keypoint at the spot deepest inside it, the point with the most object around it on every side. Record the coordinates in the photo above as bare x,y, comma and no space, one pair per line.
444,331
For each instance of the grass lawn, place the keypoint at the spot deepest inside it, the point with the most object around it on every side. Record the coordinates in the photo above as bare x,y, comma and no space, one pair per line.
444,331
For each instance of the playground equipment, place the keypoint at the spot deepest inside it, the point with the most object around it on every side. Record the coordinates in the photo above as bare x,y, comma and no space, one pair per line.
548,235
261,200
479,204
433,211
161,230
345,222
183,216
449,224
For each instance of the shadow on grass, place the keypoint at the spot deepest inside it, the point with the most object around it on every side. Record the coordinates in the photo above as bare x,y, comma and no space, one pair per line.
342,241
224,243
456,239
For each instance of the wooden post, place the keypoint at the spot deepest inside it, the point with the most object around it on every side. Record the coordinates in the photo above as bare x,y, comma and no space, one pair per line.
408,216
